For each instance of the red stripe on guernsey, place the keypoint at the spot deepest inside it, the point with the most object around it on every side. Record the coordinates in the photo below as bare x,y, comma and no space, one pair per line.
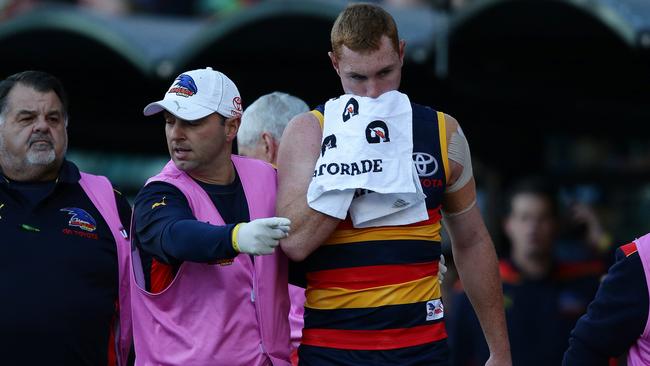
357,278
162,276
629,249
373,340
434,216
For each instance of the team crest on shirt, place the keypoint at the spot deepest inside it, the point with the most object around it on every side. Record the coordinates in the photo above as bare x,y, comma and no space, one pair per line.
435,309
81,219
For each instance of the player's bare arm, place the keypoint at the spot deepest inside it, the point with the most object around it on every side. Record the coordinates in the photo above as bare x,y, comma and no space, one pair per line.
474,254
297,156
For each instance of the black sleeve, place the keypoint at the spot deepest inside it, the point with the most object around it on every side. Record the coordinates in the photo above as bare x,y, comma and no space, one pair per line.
166,228
615,318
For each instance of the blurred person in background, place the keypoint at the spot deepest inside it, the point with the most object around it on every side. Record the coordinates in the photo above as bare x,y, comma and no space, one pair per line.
543,298
262,126
64,239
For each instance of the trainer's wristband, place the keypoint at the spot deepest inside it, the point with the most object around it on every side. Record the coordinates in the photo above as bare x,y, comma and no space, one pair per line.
233,238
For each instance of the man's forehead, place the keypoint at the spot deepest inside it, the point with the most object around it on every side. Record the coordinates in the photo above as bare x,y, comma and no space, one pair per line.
378,59
23,98
366,65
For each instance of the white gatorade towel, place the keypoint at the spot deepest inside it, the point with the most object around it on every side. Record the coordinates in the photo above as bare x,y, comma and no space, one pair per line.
366,162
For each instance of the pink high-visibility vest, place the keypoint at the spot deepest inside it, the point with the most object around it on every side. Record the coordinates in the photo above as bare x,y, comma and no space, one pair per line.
215,314
639,353
100,192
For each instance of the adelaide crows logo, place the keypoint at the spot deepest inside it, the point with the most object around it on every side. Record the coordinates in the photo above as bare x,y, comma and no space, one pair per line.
184,86
376,132
328,143
81,219
351,109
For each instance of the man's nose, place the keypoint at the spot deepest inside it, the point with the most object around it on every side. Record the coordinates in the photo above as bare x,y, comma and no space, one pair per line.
41,125
373,89
177,131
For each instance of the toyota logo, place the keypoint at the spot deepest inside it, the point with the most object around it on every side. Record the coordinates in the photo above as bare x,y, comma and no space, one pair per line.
425,164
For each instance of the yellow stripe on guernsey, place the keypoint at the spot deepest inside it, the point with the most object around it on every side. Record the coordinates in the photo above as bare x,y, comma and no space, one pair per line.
401,293
425,233
442,128
321,118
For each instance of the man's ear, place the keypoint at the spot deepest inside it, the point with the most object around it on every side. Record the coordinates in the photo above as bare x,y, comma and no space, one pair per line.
335,61
269,147
231,128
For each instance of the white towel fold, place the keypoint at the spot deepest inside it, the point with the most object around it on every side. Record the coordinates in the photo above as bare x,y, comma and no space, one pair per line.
367,146
377,209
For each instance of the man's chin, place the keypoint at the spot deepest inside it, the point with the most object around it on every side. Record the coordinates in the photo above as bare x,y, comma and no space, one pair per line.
46,157
184,165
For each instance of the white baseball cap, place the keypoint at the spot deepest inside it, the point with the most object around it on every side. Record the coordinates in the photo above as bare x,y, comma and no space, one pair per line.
198,93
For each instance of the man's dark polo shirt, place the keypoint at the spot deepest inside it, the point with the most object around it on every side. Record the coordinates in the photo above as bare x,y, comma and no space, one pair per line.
58,273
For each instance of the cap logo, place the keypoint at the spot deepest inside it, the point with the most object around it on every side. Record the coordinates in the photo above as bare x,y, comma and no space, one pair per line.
184,86
236,103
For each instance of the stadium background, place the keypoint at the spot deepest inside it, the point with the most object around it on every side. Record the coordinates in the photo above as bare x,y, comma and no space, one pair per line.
559,88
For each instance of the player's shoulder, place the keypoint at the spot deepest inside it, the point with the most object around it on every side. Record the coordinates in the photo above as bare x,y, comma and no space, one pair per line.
304,123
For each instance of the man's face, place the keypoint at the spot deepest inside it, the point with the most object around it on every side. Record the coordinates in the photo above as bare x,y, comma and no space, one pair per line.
265,149
370,74
33,134
195,146
531,225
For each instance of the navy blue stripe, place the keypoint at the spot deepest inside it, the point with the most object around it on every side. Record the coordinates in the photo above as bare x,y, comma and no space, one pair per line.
379,318
426,139
431,354
372,253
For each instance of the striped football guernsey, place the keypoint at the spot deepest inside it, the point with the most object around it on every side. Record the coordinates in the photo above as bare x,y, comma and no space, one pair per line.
376,289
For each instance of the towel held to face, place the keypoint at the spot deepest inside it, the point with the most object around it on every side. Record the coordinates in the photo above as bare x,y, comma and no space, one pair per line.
366,167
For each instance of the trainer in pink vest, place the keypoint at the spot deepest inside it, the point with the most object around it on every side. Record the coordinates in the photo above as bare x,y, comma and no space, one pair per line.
217,314
639,354
100,192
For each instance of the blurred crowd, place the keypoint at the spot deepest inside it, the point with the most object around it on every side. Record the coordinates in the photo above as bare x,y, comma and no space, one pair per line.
190,8
553,254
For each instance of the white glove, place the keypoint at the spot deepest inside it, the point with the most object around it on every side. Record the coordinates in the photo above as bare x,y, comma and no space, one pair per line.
442,269
261,236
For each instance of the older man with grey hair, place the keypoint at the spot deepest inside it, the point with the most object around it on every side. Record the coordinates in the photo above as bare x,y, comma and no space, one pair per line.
263,123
